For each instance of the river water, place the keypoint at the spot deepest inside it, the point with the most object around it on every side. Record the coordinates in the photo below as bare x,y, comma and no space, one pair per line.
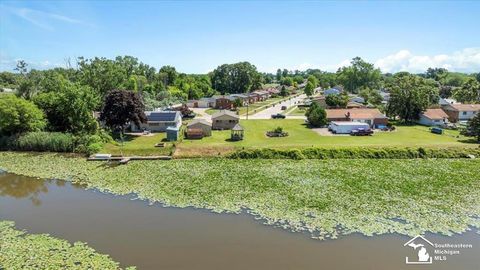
155,237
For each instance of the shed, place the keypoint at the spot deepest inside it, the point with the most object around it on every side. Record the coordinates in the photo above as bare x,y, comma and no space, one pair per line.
172,133
200,124
237,133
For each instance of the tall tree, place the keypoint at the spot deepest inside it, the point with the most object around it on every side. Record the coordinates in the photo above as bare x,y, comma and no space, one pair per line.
236,78
309,88
469,92
121,108
359,74
410,95
69,107
279,75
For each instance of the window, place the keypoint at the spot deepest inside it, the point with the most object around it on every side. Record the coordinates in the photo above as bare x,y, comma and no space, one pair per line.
153,124
464,113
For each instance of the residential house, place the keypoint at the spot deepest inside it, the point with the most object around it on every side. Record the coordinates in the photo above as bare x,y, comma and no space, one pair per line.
224,102
385,96
373,117
192,103
461,112
332,91
263,95
352,104
206,102
224,120
357,99
159,121
199,126
243,97
447,101
433,117
320,100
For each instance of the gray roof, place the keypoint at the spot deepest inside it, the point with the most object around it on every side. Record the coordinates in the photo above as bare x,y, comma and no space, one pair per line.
163,116
237,127
202,121
223,112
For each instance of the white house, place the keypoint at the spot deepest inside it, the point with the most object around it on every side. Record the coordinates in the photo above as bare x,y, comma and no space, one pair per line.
160,121
206,102
461,112
433,117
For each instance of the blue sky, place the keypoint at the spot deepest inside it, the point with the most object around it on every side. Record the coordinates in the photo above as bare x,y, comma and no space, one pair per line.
197,36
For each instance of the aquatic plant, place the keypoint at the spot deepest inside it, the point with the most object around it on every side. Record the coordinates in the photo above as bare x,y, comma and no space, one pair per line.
19,250
325,197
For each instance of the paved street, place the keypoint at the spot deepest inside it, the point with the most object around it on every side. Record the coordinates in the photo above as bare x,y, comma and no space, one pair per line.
267,113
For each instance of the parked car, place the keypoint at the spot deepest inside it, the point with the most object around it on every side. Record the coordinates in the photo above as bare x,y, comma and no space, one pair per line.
284,108
436,130
361,132
278,116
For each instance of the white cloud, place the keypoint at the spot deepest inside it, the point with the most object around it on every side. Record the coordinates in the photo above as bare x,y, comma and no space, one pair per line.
43,19
466,60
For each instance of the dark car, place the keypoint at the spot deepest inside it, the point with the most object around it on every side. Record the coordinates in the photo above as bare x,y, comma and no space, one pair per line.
284,108
436,130
361,132
278,116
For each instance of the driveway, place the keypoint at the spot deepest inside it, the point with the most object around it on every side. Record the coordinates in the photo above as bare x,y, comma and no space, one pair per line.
201,114
267,113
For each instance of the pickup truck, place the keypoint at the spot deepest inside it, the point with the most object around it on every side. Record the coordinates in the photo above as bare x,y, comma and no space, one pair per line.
278,116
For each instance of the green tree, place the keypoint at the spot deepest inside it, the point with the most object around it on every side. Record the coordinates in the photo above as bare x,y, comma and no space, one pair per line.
313,80
121,108
237,103
288,81
18,115
337,101
283,91
279,75
309,88
469,92
69,108
316,115
473,127
236,78
371,96
359,74
409,96
101,74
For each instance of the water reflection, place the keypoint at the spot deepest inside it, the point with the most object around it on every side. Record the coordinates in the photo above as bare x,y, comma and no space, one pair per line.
21,187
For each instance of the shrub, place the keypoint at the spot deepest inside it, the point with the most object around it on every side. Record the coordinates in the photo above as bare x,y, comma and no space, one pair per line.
18,115
45,141
354,153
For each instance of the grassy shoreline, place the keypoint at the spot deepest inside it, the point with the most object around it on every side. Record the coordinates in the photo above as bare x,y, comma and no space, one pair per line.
369,196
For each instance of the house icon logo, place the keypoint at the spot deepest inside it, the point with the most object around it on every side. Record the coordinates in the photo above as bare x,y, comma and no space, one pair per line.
419,244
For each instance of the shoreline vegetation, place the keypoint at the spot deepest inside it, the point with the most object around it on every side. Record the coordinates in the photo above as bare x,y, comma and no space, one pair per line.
17,246
327,198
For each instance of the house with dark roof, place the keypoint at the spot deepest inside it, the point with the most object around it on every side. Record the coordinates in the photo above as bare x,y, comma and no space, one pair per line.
159,121
433,117
224,120
461,112
373,117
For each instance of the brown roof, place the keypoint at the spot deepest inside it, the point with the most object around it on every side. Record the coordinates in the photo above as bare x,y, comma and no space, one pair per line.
465,107
435,114
355,113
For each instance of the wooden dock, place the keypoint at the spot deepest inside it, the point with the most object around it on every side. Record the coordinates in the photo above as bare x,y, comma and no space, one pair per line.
125,160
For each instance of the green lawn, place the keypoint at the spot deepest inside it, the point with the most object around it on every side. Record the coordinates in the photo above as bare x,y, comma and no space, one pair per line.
302,136
297,112
139,145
